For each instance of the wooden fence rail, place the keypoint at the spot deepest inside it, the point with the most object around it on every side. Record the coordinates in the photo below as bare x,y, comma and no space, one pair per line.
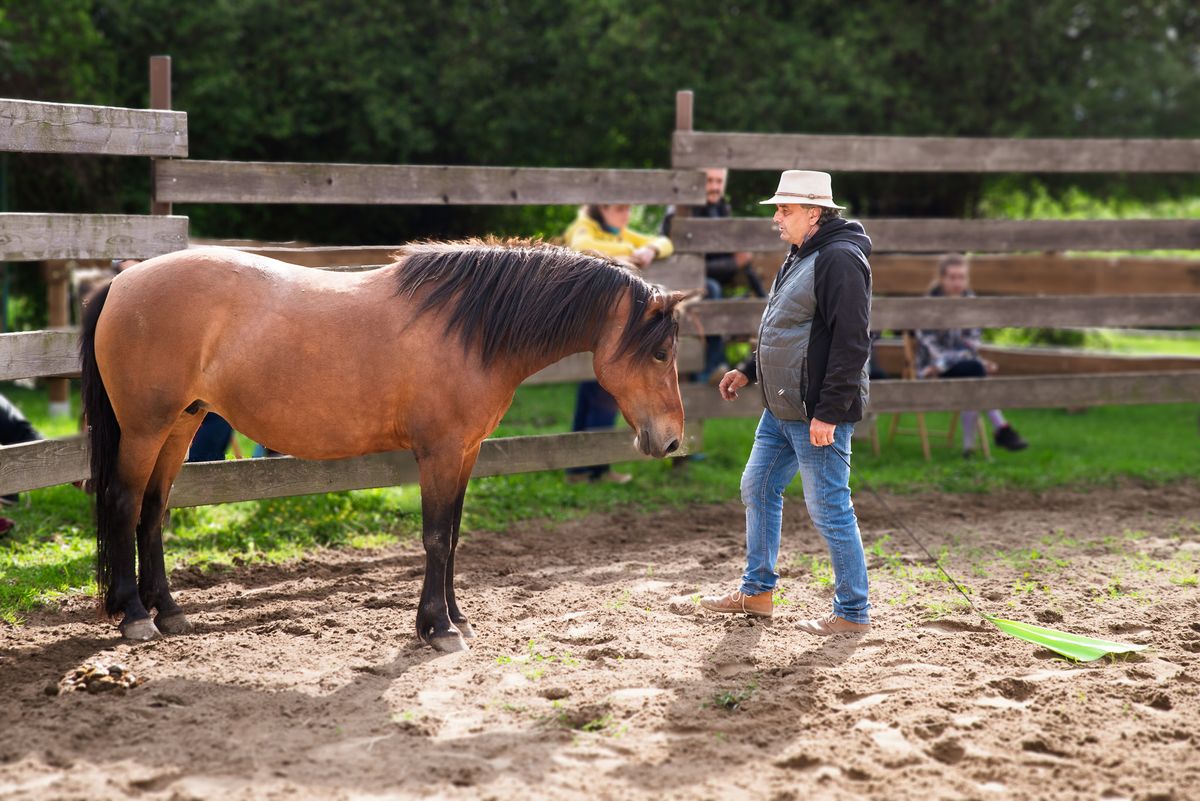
698,235
33,127
741,317
281,182
54,353
42,237
51,462
938,154
1040,274
1036,392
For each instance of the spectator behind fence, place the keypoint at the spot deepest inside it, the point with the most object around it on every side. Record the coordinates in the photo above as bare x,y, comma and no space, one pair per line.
604,229
954,353
14,428
722,271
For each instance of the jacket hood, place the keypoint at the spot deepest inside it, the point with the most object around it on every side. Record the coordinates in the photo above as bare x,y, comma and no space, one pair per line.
838,230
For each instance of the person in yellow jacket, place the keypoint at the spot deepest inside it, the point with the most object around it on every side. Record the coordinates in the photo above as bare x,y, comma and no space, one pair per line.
605,229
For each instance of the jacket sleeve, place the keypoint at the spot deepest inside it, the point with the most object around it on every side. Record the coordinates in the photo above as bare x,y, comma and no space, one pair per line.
580,237
843,290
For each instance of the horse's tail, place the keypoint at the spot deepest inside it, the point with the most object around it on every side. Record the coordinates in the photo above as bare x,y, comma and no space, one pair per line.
104,440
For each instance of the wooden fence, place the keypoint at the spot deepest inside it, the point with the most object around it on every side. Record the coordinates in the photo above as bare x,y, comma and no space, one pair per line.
1173,296
1088,292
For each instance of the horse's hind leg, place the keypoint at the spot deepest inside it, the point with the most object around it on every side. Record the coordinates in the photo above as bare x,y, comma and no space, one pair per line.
152,572
135,462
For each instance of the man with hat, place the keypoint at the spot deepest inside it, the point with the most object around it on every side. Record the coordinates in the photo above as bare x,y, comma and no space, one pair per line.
811,367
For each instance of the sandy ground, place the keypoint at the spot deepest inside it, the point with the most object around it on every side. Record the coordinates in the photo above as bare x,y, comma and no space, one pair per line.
586,681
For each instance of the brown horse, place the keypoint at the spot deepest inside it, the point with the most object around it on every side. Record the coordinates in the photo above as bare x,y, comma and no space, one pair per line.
423,354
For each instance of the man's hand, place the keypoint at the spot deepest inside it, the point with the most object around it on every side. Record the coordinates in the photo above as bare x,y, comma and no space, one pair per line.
820,434
991,367
929,372
731,382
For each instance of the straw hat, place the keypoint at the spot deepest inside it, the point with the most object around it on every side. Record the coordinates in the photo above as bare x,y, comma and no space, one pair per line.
805,187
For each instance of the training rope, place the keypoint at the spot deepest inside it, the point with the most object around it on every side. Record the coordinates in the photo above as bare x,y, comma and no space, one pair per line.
900,523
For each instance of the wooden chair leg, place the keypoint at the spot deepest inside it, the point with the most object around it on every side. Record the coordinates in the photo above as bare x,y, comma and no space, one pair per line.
950,431
983,439
924,435
892,429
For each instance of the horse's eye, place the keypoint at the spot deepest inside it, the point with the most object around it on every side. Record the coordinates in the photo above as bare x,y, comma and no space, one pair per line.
660,355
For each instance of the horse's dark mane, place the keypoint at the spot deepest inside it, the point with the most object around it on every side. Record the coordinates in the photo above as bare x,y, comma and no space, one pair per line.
524,298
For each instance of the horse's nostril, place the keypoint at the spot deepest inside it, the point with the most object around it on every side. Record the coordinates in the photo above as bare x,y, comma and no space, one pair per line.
673,446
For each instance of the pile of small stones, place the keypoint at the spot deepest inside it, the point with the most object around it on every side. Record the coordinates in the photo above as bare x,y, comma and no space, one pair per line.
96,677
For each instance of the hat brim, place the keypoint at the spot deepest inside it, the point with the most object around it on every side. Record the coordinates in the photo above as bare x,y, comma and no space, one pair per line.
793,201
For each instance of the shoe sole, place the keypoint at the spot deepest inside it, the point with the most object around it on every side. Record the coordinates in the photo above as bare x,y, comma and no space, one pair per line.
735,611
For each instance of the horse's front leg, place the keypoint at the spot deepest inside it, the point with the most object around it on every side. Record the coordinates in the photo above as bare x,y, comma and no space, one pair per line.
456,615
440,479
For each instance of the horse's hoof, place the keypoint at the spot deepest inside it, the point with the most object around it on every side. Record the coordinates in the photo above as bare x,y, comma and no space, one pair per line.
174,623
465,629
451,643
141,629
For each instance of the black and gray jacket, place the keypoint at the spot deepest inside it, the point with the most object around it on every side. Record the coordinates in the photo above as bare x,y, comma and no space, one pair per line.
813,342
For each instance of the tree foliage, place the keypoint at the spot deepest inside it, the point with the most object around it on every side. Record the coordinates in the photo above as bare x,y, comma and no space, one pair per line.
592,82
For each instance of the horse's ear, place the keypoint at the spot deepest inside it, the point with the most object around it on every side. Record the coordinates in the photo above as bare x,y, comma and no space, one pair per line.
676,303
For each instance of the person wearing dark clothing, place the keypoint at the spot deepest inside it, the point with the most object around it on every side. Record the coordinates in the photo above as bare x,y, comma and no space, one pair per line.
721,270
14,429
811,368
212,439
954,353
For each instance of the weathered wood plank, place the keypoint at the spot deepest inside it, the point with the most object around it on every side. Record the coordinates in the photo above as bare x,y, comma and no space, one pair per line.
54,353
1041,392
745,151
44,463
1042,274
1026,274
1050,361
33,354
578,366
682,272
698,235
283,182
28,126
741,317
39,237
50,462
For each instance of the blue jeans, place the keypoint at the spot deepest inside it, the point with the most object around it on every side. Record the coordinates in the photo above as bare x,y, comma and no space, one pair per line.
212,440
714,346
782,449
595,410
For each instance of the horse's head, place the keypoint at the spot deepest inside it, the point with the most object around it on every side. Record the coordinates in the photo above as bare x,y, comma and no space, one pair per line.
635,361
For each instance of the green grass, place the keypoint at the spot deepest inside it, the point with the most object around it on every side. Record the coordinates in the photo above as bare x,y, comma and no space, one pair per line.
49,554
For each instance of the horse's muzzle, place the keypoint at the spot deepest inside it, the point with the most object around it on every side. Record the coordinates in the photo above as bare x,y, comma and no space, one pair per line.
644,443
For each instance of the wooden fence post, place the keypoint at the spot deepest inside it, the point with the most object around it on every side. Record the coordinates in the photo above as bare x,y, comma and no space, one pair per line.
160,98
58,296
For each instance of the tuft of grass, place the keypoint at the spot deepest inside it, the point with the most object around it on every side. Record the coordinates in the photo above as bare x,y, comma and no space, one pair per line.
732,700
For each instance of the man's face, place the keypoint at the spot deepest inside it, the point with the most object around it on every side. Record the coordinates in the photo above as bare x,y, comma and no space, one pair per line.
954,280
795,222
714,184
616,215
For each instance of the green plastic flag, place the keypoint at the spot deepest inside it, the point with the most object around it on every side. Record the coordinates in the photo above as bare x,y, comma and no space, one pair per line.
1072,646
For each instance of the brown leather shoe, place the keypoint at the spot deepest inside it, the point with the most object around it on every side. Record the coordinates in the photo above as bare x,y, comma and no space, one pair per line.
832,624
735,602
